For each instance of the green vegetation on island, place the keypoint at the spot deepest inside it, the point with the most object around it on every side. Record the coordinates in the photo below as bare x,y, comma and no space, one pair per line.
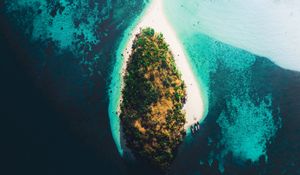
153,97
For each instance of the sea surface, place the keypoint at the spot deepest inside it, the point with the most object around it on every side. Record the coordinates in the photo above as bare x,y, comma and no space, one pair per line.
59,62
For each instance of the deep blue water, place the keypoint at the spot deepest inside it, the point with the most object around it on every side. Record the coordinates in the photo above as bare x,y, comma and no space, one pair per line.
56,65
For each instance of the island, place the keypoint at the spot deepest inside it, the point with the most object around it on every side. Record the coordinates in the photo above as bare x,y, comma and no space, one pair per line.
153,96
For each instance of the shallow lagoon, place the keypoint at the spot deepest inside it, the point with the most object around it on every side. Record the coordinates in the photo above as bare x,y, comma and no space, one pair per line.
252,118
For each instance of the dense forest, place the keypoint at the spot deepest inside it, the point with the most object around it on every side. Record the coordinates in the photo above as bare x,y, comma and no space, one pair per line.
153,96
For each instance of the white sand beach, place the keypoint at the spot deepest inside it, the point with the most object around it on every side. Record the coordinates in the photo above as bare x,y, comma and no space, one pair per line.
155,18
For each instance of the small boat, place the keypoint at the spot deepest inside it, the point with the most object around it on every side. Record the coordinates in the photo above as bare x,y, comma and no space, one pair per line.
192,129
198,125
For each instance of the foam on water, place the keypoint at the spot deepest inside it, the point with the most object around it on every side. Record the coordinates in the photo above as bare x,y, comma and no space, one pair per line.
266,28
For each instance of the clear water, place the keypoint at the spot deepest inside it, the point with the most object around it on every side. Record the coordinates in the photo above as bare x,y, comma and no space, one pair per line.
269,28
115,86
248,121
251,123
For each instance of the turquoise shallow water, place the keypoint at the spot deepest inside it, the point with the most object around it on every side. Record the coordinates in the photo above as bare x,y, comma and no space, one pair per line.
246,120
73,54
59,25
225,73
206,55
243,23
115,85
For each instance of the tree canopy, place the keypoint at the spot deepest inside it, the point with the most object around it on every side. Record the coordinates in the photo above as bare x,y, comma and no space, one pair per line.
153,97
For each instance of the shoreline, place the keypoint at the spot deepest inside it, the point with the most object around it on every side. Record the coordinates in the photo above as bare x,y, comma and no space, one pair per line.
154,17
